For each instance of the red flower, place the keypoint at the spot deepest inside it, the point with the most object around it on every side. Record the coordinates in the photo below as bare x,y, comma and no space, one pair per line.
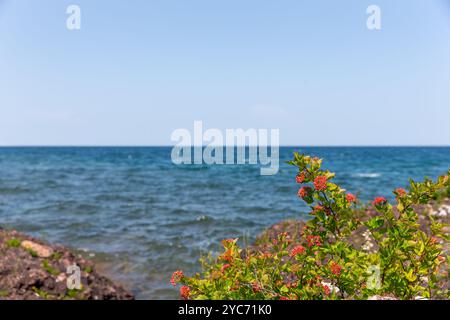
320,183
300,177
326,289
313,241
266,255
317,209
379,201
400,192
185,292
227,256
284,298
335,268
434,240
297,250
441,258
256,287
304,191
176,277
225,267
350,197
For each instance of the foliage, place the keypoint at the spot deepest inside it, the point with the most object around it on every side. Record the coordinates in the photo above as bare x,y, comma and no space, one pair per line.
13,243
326,263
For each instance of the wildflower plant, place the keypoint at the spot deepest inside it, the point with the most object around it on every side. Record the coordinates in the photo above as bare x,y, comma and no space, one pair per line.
326,262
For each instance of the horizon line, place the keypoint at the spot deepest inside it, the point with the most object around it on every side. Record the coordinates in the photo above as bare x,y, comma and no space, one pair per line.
224,146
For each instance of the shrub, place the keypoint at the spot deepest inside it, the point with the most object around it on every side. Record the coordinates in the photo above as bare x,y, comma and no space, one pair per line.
325,263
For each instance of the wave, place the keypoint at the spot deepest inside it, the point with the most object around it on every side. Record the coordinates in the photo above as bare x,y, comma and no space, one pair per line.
367,175
14,190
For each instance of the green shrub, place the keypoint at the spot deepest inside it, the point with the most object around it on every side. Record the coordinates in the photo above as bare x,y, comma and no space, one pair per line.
325,263
13,243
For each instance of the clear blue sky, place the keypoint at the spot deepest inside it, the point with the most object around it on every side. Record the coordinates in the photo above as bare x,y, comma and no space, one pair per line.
137,70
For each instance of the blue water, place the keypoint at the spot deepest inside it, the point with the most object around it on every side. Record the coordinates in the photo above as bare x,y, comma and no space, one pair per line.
144,217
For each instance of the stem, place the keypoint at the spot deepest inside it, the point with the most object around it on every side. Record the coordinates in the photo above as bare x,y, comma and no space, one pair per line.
338,235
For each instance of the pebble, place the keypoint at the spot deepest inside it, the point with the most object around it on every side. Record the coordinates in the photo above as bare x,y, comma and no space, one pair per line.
41,251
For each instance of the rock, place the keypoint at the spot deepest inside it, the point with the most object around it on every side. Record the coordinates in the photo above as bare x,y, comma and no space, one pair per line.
441,213
42,275
66,263
61,277
40,250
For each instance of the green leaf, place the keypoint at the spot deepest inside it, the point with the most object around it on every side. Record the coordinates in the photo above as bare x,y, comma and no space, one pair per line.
284,289
375,223
410,276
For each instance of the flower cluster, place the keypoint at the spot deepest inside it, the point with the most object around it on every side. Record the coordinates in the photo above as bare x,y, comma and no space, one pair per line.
335,268
304,192
400,192
225,267
297,250
320,183
300,178
313,241
176,277
350,197
227,256
378,201
326,289
185,292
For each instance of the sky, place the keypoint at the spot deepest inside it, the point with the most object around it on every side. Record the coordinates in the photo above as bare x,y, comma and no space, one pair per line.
138,70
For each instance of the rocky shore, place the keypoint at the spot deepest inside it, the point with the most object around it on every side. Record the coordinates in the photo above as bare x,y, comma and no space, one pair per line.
31,270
